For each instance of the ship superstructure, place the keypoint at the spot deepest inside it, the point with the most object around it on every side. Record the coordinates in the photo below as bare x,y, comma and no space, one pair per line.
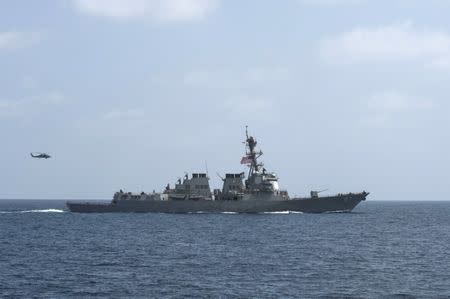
194,188
259,180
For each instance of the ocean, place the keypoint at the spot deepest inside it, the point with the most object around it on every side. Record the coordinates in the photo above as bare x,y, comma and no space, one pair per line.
380,250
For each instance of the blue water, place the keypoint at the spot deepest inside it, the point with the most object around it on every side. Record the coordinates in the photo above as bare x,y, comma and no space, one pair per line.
382,249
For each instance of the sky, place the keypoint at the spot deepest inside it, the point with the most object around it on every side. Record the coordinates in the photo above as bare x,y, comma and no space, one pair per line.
345,95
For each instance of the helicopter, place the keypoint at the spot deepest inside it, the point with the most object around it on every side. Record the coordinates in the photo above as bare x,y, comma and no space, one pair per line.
40,155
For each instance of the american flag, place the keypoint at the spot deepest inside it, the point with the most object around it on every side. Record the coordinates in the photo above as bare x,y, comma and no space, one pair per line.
246,160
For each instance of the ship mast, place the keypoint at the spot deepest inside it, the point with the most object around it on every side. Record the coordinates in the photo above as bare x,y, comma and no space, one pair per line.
252,154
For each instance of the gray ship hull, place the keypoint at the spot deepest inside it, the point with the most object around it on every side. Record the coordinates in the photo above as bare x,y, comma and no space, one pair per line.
345,202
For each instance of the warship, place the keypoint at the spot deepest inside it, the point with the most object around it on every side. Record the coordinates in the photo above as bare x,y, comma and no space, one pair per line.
258,193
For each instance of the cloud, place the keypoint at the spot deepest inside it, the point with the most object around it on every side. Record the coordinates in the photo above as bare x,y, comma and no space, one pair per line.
250,108
263,75
388,107
392,43
157,10
129,114
332,2
21,107
131,122
227,79
17,40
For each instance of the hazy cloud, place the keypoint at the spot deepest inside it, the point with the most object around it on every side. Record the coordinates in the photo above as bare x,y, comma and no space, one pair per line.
124,114
271,74
158,10
235,78
20,107
128,122
250,108
332,2
387,107
15,40
398,42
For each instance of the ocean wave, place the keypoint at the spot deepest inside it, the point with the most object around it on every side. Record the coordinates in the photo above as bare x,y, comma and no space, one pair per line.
206,212
33,211
283,212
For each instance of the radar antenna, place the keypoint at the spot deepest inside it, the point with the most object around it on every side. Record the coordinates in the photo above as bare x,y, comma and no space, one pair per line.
251,154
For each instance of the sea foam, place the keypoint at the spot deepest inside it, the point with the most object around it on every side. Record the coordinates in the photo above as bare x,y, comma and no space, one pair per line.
34,211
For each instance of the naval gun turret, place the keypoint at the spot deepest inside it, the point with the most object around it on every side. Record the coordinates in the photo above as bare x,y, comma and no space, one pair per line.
315,194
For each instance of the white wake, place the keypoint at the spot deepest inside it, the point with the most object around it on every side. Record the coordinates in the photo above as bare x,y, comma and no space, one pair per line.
44,211
33,211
